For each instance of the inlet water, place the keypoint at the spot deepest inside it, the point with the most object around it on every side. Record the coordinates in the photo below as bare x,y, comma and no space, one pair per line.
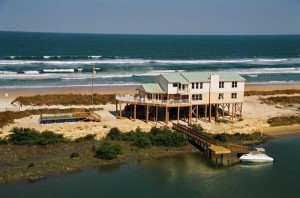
188,175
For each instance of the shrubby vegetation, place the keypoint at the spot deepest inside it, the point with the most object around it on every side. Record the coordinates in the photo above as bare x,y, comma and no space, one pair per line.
157,137
88,137
197,127
221,137
114,134
238,137
28,136
3,141
74,154
142,142
283,121
108,151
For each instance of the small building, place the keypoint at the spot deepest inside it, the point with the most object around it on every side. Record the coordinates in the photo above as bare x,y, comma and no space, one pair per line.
198,95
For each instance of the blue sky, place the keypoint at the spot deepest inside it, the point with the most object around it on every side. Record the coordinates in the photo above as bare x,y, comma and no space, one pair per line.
209,17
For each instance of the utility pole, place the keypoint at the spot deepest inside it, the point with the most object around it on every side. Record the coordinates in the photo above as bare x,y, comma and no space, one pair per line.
93,74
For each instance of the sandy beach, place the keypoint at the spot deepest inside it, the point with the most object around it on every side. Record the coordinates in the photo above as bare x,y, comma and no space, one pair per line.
255,114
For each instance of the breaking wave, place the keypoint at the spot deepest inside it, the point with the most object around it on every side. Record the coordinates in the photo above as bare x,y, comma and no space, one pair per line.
46,60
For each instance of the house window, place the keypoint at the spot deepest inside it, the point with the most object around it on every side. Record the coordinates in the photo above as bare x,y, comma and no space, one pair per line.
193,85
174,84
234,84
150,96
233,95
197,97
221,84
221,96
201,85
182,87
197,85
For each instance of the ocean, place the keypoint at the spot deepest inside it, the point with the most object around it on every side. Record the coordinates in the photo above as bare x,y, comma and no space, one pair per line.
57,59
188,175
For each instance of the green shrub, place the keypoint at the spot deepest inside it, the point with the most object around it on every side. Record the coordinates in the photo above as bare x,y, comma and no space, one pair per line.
108,151
28,136
3,141
130,136
94,149
142,142
138,130
74,154
197,127
221,137
168,138
114,134
178,140
88,137
31,165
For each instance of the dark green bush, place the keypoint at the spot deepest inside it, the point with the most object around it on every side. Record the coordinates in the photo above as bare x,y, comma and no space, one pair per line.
108,151
94,149
197,127
157,136
74,154
114,134
142,142
31,165
28,136
88,137
130,136
3,141
221,137
168,138
138,130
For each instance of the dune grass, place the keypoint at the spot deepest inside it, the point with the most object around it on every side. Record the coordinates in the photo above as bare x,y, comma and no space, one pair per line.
274,92
282,100
284,121
64,99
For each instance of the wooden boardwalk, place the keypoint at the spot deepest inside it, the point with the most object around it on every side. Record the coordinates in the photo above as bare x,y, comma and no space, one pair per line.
208,145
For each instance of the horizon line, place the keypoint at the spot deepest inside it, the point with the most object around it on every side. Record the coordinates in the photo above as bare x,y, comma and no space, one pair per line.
150,34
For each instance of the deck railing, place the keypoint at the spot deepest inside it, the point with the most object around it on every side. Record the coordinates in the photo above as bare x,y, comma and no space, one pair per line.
135,98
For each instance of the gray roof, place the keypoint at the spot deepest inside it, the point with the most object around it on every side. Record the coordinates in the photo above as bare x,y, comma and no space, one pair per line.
205,76
175,78
151,88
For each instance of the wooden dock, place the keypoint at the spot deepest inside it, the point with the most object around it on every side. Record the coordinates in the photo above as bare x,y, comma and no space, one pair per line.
208,145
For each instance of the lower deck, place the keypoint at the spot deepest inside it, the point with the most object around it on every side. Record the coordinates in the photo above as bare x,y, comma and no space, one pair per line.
186,111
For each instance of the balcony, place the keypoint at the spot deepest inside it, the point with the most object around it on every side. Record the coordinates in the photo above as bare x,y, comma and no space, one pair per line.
137,99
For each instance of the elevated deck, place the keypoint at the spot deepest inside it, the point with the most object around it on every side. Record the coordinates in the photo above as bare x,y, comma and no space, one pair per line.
132,99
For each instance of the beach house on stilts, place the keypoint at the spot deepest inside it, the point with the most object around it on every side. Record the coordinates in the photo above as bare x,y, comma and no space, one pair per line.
186,96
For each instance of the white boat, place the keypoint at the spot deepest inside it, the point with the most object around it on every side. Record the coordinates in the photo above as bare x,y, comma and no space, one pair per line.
256,157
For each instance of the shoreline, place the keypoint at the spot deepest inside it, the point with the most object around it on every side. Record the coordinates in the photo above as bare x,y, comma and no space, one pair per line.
67,165
13,92
26,174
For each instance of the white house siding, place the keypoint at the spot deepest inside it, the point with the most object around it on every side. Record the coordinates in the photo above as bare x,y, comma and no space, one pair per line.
210,91
171,89
162,82
203,90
